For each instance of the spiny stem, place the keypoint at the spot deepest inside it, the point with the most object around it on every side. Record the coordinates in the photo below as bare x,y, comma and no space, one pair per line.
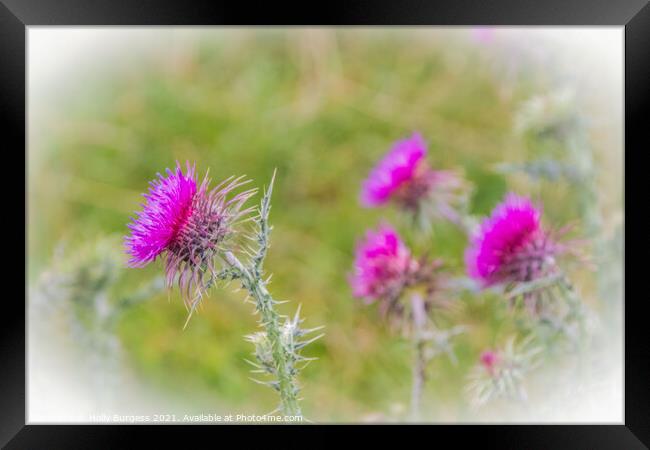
281,337
419,376
577,313
270,319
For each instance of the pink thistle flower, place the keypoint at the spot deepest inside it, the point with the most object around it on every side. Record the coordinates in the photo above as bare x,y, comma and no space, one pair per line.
501,374
188,223
403,176
382,265
167,207
400,167
489,359
510,245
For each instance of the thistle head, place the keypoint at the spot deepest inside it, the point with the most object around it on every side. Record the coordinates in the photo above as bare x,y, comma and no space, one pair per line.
404,178
397,171
489,359
166,209
382,265
511,245
502,373
83,277
188,224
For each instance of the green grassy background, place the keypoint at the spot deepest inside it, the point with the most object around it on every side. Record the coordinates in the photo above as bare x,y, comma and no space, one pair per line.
321,106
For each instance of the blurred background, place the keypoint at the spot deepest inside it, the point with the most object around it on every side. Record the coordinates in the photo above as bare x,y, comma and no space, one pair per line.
534,110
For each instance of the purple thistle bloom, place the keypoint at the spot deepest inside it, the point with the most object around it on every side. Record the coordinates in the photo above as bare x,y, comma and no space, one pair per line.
510,245
404,177
381,266
189,223
489,360
167,208
399,167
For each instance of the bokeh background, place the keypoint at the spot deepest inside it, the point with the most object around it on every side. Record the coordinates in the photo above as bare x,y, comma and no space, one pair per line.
109,108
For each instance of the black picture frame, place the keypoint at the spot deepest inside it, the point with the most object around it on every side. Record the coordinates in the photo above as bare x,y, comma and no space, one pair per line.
633,15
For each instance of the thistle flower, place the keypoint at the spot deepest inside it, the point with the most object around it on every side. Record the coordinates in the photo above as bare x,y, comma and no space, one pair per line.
382,265
511,245
189,223
383,271
512,248
402,167
502,373
167,207
404,177
489,360
192,225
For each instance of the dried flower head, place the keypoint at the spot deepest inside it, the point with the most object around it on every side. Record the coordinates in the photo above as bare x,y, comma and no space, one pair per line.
511,245
382,266
189,223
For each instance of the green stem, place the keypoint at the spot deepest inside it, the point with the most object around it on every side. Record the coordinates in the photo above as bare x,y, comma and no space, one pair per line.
286,383
419,376
464,221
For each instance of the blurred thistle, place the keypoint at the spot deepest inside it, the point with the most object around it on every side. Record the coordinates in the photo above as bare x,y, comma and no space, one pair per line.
82,273
489,360
500,374
513,250
81,281
511,246
385,272
552,115
383,266
196,226
404,178
556,116
79,287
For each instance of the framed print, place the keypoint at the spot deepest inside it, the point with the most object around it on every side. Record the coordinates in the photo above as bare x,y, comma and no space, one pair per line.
398,216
